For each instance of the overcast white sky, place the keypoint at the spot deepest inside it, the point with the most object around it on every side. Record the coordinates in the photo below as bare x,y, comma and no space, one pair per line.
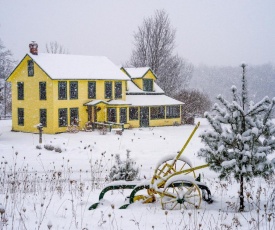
211,32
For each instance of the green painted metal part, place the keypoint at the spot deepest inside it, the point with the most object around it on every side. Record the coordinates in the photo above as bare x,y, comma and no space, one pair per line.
135,190
108,188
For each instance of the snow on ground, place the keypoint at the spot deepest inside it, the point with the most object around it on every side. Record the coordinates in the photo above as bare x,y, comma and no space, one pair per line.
53,188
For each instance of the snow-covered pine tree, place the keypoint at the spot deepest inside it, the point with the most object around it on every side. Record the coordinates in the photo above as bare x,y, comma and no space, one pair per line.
123,170
241,138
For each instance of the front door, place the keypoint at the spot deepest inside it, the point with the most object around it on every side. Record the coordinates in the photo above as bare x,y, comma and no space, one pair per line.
123,115
144,116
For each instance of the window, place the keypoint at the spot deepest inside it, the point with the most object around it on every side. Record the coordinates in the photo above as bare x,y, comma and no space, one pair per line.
62,117
43,117
91,89
173,111
111,114
73,90
133,113
74,116
62,90
157,113
118,90
148,85
42,91
30,68
20,114
20,90
108,89
123,115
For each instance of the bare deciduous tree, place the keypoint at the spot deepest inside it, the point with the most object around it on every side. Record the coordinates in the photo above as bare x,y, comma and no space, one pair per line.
6,61
196,104
175,75
6,66
56,48
154,45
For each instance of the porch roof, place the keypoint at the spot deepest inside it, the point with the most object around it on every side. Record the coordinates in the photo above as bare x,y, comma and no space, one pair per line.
140,100
95,102
118,102
152,100
111,102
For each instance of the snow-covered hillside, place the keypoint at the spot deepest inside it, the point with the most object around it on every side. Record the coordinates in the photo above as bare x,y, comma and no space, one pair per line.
41,188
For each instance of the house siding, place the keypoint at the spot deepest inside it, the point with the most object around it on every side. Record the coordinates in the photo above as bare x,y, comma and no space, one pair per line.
32,103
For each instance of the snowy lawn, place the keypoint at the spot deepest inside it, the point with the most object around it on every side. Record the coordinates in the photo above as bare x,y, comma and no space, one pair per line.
41,188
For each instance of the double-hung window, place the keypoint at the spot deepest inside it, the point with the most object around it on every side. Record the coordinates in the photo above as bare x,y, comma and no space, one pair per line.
30,68
42,91
62,90
118,89
73,90
74,116
148,85
20,90
20,115
62,117
108,89
91,89
43,117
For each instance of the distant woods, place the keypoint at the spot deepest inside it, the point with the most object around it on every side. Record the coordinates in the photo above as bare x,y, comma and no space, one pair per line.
7,64
218,80
56,48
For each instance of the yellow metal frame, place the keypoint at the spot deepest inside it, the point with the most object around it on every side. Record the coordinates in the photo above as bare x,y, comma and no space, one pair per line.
162,173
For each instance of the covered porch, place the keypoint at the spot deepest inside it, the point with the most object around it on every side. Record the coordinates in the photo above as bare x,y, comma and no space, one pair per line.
110,115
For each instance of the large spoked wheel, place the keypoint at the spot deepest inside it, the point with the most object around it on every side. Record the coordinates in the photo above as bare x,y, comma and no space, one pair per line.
169,167
181,195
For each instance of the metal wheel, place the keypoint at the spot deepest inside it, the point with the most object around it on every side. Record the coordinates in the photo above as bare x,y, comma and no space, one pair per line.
181,195
171,167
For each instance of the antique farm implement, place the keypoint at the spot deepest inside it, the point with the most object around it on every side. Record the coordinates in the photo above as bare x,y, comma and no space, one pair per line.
174,181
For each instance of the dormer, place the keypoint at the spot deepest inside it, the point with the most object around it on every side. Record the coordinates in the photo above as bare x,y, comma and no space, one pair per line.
142,77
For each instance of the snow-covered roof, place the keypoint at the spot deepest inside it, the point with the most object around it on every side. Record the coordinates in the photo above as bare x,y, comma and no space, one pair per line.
132,88
95,102
137,72
111,102
140,100
118,102
152,100
64,66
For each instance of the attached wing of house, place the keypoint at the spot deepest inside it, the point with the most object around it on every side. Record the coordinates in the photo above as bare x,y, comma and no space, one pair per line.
56,89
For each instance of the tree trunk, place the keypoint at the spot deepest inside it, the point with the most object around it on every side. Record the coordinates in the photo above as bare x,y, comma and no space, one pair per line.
241,209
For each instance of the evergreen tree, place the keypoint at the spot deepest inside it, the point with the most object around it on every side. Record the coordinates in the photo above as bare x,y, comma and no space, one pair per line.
123,170
241,138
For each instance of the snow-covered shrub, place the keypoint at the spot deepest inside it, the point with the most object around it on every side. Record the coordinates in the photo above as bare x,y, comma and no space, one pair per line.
55,145
49,147
38,147
58,149
123,170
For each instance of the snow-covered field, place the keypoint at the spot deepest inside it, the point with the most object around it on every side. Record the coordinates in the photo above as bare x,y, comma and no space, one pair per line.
40,188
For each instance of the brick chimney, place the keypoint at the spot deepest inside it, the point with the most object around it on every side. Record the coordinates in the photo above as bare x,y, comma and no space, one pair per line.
33,48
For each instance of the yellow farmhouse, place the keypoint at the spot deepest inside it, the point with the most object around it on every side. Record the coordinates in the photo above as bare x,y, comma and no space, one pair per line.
55,89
